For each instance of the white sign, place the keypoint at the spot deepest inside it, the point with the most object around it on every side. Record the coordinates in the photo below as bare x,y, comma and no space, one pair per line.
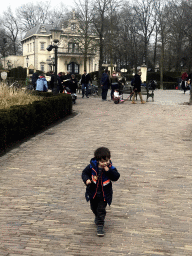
3,75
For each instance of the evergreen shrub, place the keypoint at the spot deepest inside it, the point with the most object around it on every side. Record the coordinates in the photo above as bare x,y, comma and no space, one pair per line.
18,73
169,85
20,121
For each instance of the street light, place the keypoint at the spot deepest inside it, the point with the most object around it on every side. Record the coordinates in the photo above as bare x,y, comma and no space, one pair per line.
27,61
56,33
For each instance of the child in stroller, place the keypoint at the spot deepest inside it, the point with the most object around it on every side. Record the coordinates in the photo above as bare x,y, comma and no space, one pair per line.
116,97
73,95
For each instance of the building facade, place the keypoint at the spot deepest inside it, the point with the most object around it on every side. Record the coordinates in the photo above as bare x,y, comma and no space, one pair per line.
70,50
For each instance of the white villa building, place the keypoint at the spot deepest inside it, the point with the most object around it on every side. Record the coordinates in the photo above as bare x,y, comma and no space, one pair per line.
70,56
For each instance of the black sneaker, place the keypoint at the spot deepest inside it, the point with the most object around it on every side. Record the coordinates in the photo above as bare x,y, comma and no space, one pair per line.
100,231
87,96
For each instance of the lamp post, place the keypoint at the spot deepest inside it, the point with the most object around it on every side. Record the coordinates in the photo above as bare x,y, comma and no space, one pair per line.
144,71
56,32
27,61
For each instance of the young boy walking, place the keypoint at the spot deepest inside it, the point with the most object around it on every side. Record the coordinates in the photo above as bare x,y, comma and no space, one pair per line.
97,176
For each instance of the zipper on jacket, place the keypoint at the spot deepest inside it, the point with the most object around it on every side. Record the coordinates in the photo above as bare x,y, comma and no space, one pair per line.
102,187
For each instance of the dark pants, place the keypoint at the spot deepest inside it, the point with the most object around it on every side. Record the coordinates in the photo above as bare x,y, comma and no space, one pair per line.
34,86
98,206
104,94
83,89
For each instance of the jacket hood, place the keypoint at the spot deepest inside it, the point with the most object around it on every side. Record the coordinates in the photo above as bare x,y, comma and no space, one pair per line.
93,163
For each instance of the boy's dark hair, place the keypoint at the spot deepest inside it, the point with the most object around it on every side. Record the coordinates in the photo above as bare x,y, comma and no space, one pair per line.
102,153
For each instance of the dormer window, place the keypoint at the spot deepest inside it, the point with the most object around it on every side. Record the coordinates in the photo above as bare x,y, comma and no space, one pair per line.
43,30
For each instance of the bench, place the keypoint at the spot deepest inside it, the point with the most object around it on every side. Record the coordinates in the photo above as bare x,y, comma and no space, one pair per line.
150,93
146,91
128,89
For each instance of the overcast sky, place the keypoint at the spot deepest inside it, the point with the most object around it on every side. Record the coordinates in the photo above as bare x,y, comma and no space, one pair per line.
17,3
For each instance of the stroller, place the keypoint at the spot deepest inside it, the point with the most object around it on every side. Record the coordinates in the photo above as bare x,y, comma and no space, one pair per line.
117,97
73,95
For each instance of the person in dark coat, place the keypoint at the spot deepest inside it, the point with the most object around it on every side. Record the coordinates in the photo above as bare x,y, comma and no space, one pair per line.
59,85
114,83
85,79
136,82
104,84
73,84
97,176
34,80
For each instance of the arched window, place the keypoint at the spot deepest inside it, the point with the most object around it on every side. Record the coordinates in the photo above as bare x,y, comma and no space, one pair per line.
73,68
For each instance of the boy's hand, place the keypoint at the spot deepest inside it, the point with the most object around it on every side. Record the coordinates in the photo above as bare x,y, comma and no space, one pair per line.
106,168
88,182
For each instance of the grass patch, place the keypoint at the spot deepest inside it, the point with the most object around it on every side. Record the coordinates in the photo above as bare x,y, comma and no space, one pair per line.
12,96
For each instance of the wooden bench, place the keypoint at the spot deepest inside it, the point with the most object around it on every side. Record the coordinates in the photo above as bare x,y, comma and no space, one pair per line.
148,92
128,89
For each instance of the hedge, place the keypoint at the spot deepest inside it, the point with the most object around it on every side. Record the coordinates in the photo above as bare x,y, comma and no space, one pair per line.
18,122
169,85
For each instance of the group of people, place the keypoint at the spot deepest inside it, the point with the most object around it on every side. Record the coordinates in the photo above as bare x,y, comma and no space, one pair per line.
40,83
116,82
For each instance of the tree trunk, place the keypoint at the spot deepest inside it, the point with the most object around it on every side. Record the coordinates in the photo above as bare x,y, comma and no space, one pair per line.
101,59
190,99
161,66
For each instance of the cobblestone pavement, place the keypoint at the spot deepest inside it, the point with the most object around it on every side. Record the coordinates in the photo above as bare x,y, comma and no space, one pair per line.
43,209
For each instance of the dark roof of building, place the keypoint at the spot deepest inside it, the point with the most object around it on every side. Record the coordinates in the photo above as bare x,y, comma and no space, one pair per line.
43,29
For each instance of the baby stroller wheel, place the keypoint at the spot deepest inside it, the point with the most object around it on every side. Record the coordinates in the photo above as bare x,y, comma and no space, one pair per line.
116,101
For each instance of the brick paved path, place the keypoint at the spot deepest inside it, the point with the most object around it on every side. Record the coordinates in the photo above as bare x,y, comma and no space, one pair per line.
43,210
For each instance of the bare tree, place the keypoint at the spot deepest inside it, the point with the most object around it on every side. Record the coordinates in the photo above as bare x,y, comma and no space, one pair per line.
11,26
187,10
58,16
132,42
3,42
176,32
112,34
100,12
144,11
86,31
29,15
163,28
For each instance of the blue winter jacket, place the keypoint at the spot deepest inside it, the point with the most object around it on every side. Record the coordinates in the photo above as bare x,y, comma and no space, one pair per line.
91,190
41,84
